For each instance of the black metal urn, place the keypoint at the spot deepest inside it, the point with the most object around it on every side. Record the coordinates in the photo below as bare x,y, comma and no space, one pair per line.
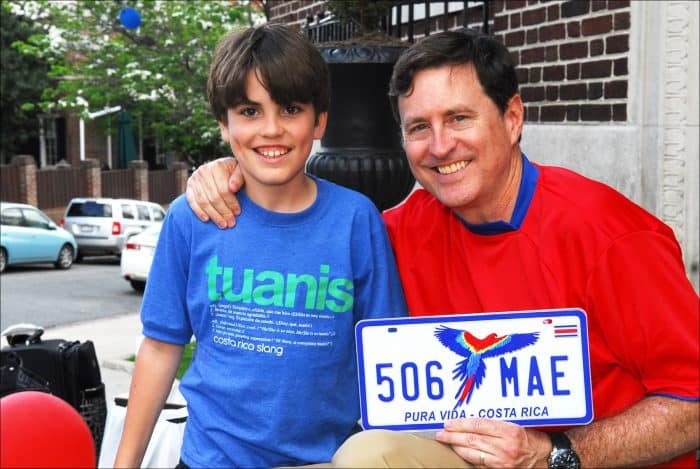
361,148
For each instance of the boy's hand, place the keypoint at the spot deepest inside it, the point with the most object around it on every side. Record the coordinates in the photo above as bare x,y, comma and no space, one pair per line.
211,192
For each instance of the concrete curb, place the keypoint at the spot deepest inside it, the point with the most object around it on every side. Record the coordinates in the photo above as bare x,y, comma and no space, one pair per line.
119,365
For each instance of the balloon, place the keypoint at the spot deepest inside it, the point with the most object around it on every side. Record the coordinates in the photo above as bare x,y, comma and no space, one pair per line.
40,430
130,18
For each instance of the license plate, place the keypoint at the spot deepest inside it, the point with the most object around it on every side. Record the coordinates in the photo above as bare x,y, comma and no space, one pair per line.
87,228
527,367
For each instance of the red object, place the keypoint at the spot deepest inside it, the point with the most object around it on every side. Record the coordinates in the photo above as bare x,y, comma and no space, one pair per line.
39,430
580,245
116,228
133,246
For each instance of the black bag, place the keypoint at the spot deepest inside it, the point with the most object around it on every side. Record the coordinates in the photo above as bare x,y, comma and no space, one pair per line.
68,370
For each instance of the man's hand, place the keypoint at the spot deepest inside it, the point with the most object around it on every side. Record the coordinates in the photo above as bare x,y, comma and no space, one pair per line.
494,443
211,192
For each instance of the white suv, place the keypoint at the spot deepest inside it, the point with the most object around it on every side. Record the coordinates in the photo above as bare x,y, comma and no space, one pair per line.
101,226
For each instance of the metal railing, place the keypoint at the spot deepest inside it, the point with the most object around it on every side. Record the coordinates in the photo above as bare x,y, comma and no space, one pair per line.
406,21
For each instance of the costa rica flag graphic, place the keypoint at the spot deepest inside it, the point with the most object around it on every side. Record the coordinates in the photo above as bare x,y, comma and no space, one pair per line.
565,330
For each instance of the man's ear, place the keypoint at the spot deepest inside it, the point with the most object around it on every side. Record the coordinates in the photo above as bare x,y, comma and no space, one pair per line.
320,127
513,117
224,131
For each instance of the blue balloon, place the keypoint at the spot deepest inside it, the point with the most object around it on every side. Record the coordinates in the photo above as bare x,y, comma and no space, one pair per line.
130,18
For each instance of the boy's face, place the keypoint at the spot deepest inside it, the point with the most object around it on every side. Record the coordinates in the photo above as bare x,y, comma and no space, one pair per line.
271,142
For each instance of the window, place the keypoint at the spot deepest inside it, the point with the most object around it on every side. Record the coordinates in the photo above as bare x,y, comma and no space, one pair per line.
143,212
35,219
52,139
157,213
128,211
11,217
90,209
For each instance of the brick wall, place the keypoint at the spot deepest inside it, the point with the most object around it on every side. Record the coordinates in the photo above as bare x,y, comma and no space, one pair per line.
294,12
572,55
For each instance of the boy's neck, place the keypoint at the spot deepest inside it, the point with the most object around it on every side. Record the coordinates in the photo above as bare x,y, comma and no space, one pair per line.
295,196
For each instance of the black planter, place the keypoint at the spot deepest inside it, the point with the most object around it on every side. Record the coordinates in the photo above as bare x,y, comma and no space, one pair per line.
361,148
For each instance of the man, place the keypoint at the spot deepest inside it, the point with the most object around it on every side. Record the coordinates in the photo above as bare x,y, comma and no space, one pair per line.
492,231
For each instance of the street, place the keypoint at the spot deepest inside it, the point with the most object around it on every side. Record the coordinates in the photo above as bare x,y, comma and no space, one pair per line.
42,295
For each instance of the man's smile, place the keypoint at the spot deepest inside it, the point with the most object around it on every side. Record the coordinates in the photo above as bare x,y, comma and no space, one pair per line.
452,167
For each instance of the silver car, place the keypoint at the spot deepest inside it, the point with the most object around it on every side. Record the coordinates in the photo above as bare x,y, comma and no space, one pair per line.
101,226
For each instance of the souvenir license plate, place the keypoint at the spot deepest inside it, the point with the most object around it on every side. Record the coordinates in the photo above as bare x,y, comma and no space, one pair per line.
527,367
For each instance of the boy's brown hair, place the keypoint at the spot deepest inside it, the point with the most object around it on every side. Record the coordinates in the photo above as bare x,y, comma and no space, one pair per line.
290,68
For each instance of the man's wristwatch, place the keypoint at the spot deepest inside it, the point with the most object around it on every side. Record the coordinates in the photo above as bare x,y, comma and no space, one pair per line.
563,456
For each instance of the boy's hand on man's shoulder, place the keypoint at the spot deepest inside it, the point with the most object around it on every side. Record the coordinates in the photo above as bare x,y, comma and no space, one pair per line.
211,192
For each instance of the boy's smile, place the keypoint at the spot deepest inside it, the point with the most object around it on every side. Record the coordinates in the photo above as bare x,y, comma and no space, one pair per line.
272,152
272,142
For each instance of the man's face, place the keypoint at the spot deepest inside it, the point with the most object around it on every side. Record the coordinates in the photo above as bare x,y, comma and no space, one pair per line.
459,146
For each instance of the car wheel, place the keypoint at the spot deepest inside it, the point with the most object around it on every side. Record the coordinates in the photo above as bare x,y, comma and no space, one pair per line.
138,285
3,259
65,257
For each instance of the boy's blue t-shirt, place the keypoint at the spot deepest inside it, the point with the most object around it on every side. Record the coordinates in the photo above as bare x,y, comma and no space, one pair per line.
272,304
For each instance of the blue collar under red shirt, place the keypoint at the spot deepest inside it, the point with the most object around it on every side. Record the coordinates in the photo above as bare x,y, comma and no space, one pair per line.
527,189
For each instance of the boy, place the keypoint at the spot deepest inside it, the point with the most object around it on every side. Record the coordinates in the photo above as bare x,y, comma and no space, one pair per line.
273,303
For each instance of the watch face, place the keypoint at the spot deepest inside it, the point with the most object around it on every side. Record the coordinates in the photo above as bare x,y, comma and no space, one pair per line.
565,459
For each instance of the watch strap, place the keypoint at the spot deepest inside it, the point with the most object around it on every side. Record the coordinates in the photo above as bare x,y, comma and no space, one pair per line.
563,455
560,441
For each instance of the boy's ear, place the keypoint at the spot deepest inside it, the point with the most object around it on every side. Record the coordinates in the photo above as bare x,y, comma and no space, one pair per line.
320,126
224,131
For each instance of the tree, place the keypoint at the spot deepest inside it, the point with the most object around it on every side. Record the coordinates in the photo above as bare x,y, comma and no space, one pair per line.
157,71
22,81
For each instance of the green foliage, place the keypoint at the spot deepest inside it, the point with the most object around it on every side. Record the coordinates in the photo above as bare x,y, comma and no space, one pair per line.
22,81
187,355
157,71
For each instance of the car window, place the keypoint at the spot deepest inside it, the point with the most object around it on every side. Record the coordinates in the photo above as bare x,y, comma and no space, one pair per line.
157,213
143,212
90,209
128,211
34,219
11,217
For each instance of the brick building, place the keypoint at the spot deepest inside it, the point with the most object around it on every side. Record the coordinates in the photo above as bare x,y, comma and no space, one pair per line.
610,89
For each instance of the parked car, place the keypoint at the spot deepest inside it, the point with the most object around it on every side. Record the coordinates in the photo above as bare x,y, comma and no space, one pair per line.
27,235
137,256
101,226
